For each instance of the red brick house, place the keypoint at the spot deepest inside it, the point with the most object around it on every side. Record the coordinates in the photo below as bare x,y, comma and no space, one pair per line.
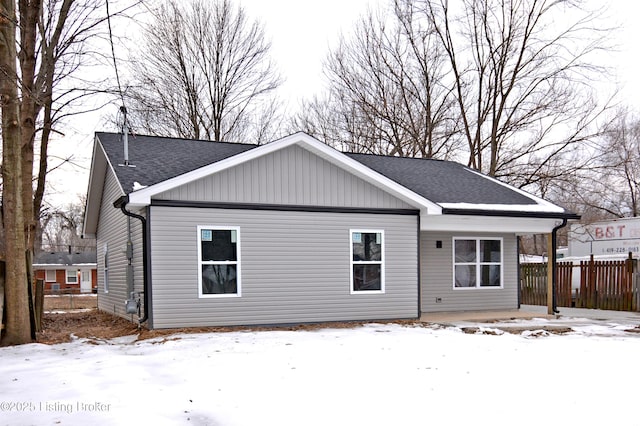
75,272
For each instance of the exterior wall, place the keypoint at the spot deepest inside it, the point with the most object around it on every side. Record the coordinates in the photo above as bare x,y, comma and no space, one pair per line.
437,276
291,176
112,232
295,267
61,279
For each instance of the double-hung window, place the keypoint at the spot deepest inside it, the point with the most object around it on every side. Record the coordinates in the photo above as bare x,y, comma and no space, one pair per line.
50,275
367,261
477,262
218,261
72,276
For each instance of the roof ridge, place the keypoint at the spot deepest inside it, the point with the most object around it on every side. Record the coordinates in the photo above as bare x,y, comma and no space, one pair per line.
134,135
398,156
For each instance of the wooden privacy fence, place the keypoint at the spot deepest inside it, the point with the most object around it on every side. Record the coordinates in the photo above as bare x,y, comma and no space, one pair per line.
533,283
611,284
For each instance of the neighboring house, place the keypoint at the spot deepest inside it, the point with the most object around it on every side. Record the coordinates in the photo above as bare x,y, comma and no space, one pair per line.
76,272
209,233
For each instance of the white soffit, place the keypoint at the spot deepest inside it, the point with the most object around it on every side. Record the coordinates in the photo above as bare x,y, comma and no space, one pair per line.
493,224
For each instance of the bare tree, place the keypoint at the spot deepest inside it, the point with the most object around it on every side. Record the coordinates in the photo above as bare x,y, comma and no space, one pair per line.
62,228
15,283
203,72
52,46
56,56
522,79
611,189
387,90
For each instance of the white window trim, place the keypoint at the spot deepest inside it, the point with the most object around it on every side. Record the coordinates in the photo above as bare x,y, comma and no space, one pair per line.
228,262
381,262
477,263
66,276
47,278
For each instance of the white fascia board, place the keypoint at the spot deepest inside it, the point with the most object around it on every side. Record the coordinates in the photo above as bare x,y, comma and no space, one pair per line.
491,224
527,208
143,196
91,201
100,165
95,187
544,205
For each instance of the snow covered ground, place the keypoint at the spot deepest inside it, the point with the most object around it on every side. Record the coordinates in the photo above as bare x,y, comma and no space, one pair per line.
372,375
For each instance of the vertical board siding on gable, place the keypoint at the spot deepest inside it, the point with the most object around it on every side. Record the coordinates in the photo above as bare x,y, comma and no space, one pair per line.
292,176
294,268
112,230
436,271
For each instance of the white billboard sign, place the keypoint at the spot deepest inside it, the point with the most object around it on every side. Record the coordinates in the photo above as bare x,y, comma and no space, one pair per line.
615,237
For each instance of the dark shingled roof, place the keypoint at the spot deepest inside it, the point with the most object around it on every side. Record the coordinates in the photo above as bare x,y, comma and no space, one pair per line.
442,181
65,258
158,159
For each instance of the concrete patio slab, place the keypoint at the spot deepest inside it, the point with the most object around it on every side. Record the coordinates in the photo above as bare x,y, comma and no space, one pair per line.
565,317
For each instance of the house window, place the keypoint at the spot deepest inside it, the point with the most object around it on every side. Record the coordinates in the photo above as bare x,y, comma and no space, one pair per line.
218,261
50,275
106,269
367,261
72,276
477,262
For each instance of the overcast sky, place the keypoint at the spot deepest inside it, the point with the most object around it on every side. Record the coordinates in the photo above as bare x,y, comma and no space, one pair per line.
301,33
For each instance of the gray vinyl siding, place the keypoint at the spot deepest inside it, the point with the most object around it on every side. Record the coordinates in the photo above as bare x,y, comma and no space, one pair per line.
112,231
295,268
437,276
291,176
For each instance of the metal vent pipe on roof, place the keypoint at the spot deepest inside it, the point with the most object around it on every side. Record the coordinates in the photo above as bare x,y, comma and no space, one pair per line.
125,135
125,138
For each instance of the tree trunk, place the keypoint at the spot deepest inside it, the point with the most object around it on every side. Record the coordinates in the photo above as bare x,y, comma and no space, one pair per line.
29,11
18,327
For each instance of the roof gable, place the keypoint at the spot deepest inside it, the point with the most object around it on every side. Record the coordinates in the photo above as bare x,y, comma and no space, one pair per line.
143,196
155,159
292,176
435,187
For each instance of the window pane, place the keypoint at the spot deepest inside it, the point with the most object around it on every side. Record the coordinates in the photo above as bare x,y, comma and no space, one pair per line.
465,251
218,245
465,276
490,276
367,246
72,277
489,251
219,279
367,277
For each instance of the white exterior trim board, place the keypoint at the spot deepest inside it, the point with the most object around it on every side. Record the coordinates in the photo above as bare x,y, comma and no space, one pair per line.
491,224
143,196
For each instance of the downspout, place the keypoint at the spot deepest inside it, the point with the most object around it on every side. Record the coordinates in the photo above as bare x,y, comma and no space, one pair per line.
121,203
554,243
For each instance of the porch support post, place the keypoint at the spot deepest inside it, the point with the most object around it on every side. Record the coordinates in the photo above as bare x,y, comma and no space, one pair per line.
550,267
